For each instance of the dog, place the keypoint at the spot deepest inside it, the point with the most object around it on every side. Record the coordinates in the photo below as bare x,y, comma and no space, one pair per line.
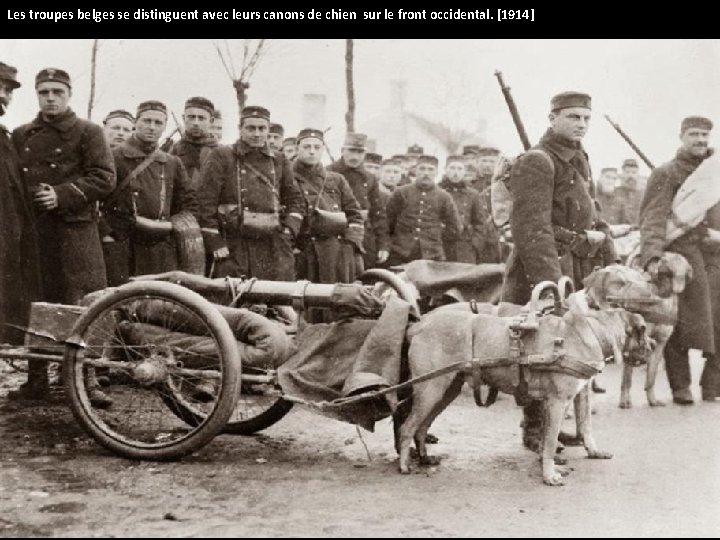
670,284
452,334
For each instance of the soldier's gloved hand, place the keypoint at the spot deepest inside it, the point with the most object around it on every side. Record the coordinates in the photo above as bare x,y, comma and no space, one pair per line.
107,239
382,256
580,246
221,253
46,198
355,234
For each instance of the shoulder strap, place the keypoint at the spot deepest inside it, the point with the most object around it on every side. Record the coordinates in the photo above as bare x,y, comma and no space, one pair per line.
541,152
132,176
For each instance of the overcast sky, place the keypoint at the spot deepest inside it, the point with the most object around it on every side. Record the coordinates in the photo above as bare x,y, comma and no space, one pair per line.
647,86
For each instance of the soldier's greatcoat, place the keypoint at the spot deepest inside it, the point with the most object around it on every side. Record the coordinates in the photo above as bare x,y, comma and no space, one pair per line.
229,174
552,202
19,266
468,245
71,155
326,258
365,186
193,153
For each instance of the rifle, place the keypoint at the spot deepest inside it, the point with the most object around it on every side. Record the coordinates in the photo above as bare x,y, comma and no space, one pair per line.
630,142
513,111
165,147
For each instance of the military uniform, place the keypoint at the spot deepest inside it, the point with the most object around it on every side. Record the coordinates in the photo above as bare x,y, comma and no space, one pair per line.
418,219
160,191
366,190
327,257
19,267
694,328
627,205
230,177
552,204
468,245
193,153
72,156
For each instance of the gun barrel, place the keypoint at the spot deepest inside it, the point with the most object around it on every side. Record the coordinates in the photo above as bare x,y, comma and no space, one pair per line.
513,111
630,142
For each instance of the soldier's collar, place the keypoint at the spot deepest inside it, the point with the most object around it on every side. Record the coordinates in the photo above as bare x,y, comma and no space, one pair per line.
560,146
63,122
691,161
242,148
424,187
134,148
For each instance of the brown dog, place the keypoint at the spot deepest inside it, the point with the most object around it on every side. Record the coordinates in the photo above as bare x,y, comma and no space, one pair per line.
660,326
452,334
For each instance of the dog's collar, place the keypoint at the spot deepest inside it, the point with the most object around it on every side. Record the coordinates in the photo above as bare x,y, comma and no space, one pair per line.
588,334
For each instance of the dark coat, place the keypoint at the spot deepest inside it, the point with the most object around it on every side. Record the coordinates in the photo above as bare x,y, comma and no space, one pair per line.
19,264
472,241
71,155
551,203
193,154
419,217
327,258
694,327
366,188
263,258
160,191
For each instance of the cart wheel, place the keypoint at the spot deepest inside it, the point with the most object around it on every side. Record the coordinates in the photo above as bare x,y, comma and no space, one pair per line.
258,407
158,345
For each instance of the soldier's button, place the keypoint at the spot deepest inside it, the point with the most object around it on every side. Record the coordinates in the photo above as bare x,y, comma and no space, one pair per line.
242,171
419,220
27,148
418,229
246,208
52,166
335,206
365,184
58,150
25,169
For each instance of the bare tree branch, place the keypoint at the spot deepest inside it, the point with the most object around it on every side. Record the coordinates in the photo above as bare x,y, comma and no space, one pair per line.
93,65
222,59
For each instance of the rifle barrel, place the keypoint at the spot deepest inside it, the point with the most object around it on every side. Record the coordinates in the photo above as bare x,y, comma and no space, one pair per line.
513,111
630,142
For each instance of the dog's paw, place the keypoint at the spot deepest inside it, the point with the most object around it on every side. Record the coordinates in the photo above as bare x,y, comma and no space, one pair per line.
431,439
430,461
554,479
599,454
625,402
560,460
564,471
405,470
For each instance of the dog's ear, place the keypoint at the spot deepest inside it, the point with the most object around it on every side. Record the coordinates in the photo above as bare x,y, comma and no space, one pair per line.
591,288
681,271
577,303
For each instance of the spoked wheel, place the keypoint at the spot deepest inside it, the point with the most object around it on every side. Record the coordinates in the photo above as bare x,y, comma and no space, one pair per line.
164,350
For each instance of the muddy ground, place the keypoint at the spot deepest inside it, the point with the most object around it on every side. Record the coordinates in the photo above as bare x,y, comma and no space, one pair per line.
312,476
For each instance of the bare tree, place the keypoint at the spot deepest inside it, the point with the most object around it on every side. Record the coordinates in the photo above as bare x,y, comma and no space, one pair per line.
349,57
252,53
93,65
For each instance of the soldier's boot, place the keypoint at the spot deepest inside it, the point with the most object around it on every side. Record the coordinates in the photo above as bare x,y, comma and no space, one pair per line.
37,386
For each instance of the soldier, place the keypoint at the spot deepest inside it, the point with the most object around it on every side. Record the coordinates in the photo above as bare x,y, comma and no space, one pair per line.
19,271
372,163
467,246
249,193
118,126
67,166
197,142
275,137
333,228
152,186
419,216
486,158
289,148
367,193
216,127
482,164
694,328
553,222
629,194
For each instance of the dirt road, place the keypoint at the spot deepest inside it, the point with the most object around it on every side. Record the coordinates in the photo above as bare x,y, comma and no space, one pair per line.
311,476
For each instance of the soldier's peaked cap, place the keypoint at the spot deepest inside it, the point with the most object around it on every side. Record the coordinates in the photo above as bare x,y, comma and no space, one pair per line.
52,75
151,105
566,100
199,102
308,133
9,75
254,111
355,140
696,122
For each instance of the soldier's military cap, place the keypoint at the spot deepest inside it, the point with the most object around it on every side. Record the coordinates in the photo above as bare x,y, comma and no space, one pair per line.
629,163
455,159
119,113
199,102
488,151
151,105
52,75
399,157
8,74
277,129
253,111
355,140
372,157
609,169
415,149
309,133
432,160
699,122
566,100
471,150
289,140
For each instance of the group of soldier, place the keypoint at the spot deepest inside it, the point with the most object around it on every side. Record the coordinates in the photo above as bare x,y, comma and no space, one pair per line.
85,207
